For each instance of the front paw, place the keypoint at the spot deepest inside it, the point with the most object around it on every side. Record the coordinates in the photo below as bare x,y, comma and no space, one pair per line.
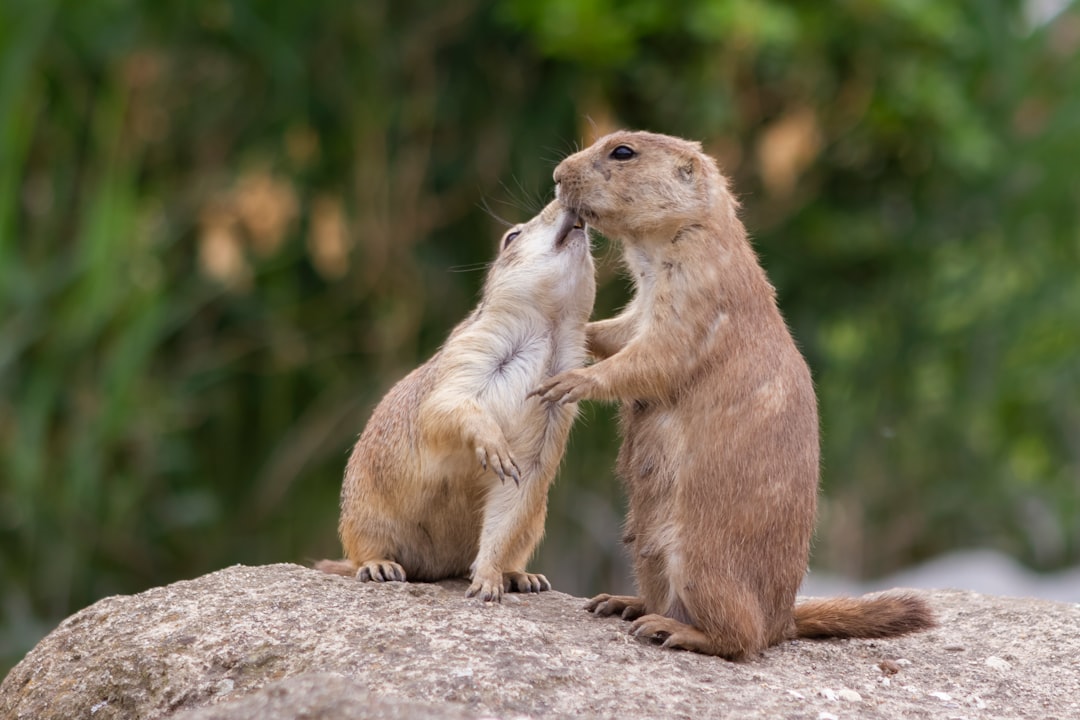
567,387
496,455
487,585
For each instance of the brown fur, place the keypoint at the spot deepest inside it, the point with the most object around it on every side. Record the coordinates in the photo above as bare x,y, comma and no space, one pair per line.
719,416
450,476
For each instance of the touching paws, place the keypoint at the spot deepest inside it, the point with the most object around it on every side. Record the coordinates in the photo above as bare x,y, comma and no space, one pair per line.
567,387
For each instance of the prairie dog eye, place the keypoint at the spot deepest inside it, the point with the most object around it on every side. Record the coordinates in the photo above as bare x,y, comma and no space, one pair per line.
510,238
622,152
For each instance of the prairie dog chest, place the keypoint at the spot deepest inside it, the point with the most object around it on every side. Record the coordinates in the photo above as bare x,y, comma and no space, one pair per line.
517,362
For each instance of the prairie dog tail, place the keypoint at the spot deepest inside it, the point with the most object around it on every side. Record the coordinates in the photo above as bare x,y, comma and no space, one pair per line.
337,567
883,616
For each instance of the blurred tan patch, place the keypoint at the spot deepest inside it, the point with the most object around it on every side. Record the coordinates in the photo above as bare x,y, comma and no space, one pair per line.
727,151
1065,35
786,148
221,253
328,239
142,69
598,119
144,75
266,205
1031,116
302,145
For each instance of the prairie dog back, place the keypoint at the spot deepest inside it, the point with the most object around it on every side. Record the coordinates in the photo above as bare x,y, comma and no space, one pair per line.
451,474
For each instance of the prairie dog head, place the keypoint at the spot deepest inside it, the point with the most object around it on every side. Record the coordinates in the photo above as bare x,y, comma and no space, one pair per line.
638,184
546,264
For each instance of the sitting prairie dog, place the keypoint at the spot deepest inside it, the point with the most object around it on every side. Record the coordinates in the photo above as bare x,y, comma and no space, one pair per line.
719,416
451,474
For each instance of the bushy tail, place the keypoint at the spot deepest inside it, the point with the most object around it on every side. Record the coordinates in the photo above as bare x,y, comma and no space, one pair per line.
881,616
337,567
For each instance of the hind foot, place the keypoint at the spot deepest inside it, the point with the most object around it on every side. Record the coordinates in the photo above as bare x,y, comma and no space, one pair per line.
381,571
627,607
672,634
524,582
490,585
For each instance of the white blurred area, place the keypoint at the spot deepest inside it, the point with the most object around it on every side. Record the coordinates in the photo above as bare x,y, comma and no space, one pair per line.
984,571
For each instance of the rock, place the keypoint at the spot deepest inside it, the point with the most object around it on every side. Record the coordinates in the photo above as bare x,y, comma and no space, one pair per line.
322,695
283,641
849,695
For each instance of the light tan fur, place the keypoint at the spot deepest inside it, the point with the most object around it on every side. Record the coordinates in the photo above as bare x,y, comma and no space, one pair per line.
451,474
719,417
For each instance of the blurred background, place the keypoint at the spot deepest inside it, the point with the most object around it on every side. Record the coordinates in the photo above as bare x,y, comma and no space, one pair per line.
227,227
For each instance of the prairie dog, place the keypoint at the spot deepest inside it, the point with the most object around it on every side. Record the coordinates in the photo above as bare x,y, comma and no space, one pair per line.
719,417
451,474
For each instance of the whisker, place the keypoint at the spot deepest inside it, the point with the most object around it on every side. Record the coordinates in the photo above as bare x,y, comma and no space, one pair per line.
531,198
515,201
483,205
469,268
595,127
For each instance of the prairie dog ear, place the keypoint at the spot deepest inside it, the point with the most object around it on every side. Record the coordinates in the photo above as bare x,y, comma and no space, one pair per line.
687,168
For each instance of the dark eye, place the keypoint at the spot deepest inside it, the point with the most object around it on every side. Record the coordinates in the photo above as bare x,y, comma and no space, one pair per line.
510,238
622,152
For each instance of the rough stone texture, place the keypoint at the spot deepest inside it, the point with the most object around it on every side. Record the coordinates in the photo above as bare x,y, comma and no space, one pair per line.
323,695
283,641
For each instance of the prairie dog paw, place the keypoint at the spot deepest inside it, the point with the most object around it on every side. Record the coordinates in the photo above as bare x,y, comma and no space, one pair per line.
497,456
487,585
567,387
627,607
673,634
524,582
381,571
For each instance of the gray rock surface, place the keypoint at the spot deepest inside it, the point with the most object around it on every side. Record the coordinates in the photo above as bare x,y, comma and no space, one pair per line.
283,641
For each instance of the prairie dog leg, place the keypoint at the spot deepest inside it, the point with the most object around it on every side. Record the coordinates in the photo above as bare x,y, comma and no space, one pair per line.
368,550
513,521
604,338
452,421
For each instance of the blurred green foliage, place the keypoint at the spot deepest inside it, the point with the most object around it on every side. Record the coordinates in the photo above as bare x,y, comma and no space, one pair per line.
227,227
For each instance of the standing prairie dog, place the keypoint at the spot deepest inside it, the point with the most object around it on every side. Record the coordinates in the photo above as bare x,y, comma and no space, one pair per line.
450,476
719,416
